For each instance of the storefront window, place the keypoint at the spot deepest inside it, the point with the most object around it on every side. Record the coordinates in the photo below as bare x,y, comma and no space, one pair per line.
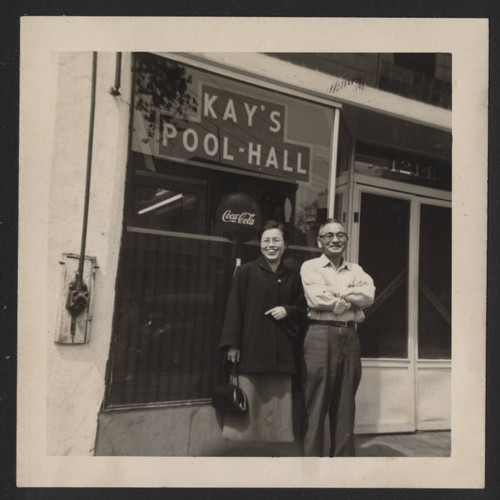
198,140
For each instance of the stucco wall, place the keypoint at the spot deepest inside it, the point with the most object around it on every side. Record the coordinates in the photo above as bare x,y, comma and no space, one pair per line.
76,373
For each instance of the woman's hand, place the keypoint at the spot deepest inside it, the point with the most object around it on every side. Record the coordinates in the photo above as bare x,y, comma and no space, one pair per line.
233,355
277,313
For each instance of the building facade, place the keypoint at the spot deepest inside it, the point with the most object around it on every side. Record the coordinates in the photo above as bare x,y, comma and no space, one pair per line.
190,152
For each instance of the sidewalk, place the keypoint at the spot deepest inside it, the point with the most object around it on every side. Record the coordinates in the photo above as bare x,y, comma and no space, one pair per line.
418,444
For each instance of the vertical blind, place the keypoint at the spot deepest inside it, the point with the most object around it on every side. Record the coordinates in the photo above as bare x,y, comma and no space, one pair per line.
170,305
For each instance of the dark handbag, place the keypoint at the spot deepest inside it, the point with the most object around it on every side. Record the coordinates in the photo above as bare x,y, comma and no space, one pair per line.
228,397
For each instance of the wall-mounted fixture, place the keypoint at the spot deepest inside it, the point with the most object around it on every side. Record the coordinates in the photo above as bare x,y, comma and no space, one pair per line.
75,301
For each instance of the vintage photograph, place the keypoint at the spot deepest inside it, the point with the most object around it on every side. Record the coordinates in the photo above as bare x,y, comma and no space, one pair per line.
212,160
249,254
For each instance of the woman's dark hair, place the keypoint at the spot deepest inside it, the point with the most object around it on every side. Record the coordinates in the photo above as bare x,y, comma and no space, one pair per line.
272,224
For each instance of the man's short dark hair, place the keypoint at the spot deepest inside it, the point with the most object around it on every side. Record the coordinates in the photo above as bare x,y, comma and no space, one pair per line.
330,221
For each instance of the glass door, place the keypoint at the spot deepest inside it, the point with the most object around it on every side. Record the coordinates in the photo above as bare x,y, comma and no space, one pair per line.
382,230
404,242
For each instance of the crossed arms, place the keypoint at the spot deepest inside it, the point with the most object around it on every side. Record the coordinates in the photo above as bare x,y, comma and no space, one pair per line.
359,290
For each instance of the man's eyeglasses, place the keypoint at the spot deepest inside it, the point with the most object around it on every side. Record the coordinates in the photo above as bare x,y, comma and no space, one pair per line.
330,236
275,241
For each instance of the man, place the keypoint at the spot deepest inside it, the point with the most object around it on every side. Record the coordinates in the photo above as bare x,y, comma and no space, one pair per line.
336,293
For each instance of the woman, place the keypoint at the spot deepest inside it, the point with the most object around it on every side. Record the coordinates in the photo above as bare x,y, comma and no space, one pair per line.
266,305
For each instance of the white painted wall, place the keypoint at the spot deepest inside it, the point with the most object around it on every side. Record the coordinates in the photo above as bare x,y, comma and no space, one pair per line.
433,395
76,373
385,401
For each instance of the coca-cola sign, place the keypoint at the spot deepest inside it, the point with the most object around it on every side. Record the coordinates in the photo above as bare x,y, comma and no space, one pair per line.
238,215
247,218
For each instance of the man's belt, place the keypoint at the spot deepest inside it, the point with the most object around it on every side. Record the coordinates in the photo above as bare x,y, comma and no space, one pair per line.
342,324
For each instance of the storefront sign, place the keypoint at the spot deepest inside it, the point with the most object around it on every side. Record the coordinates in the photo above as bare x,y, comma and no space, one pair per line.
239,215
404,167
414,168
235,130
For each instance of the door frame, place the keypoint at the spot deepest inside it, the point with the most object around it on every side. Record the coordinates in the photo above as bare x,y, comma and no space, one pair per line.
417,196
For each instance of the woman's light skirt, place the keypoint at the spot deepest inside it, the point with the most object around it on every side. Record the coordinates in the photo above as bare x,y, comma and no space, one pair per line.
269,417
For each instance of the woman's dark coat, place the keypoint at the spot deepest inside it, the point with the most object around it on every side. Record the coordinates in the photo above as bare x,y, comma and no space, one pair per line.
264,343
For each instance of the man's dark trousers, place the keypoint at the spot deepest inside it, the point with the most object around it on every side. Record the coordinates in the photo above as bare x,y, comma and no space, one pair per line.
331,373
